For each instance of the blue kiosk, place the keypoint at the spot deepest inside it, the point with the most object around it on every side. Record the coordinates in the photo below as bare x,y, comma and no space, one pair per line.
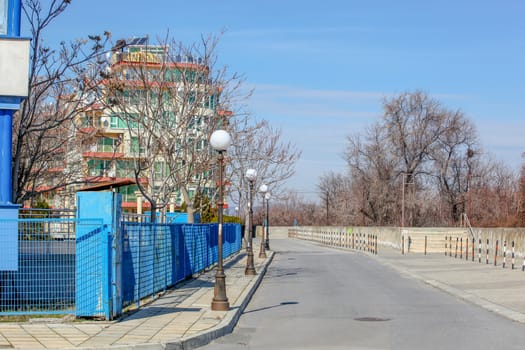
14,85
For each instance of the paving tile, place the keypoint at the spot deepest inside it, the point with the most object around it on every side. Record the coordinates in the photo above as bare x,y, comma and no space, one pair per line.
89,330
27,344
179,313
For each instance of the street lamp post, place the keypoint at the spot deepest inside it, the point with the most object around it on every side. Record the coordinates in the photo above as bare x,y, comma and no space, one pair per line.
267,242
220,140
251,174
262,252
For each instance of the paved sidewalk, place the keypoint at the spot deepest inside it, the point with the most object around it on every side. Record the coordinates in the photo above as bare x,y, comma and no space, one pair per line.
492,287
180,319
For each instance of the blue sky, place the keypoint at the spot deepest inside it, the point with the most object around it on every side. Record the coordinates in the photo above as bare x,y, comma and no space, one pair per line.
320,69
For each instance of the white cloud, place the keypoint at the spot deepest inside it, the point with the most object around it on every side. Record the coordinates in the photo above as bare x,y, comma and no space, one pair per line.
317,121
315,104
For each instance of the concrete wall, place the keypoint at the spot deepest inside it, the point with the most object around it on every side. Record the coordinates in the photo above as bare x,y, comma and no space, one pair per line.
516,235
275,231
392,236
386,236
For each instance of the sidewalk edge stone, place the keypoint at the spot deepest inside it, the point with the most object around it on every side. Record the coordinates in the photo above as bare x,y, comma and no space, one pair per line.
463,295
228,323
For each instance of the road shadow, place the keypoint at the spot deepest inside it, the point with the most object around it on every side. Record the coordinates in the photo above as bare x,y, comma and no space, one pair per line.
284,303
277,272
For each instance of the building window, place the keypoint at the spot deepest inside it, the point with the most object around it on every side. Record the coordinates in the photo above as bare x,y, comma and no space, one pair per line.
107,144
128,193
211,102
159,173
98,167
125,168
116,122
136,147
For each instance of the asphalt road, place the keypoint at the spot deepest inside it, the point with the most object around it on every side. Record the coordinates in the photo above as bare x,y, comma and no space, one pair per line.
315,297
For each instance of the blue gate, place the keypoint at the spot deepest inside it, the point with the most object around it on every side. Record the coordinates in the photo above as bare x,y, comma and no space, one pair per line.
92,245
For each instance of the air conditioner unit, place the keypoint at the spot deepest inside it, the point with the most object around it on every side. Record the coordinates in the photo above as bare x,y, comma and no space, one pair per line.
104,122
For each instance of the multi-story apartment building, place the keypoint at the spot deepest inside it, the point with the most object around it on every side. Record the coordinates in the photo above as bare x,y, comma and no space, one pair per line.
113,133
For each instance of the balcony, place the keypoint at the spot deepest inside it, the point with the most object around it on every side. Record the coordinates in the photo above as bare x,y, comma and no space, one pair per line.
104,151
102,155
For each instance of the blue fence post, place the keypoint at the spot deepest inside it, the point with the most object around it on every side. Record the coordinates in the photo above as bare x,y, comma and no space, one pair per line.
105,206
14,86
9,238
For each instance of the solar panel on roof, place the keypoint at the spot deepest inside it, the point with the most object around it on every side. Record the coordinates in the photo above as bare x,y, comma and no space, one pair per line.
138,41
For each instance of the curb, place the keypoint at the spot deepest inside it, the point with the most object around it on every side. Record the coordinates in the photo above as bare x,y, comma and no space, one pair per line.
227,324
460,294
474,299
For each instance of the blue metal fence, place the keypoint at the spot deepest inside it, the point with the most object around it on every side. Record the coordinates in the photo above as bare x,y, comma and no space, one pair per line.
44,282
65,265
145,263
157,256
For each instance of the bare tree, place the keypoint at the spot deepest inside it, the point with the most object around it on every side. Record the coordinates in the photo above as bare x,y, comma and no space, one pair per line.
455,157
170,97
335,190
293,209
492,195
415,123
58,91
257,145
395,165
373,171
521,199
